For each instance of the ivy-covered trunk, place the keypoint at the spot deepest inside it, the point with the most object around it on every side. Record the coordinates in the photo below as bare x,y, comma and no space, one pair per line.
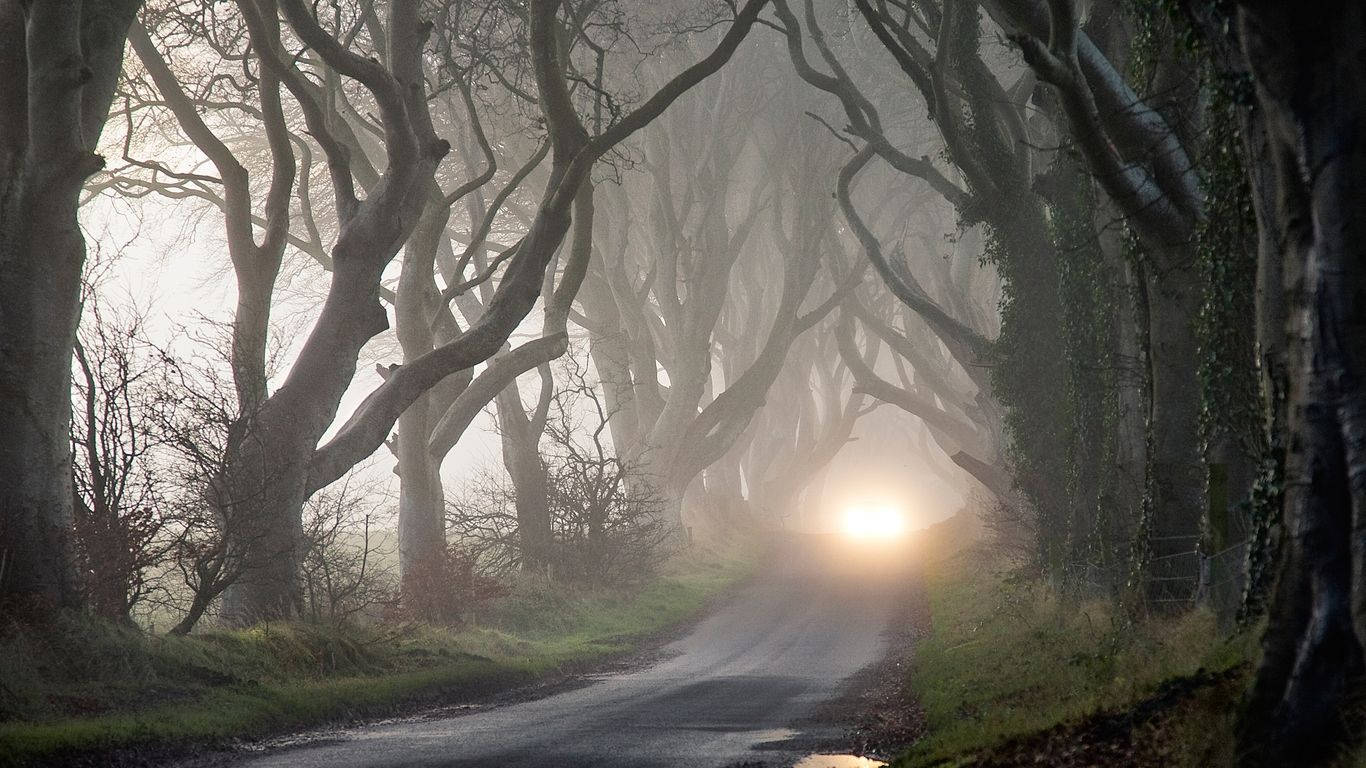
1232,416
1030,376
1172,565
1099,498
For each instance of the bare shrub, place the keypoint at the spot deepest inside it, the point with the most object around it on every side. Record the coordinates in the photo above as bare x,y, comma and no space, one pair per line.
121,533
347,571
149,435
447,590
1012,529
483,521
607,522
198,433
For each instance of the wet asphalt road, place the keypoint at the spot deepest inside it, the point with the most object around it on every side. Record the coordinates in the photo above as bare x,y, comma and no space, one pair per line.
743,685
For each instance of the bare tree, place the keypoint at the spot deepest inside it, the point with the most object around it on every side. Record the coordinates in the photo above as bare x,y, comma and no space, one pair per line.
1144,164
274,462
792,446
59,65
701,290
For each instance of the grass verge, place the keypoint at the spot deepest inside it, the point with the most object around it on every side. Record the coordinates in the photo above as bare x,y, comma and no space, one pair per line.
1011,675
100,694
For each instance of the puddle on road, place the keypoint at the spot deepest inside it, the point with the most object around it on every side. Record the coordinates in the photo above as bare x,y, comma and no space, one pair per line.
838,761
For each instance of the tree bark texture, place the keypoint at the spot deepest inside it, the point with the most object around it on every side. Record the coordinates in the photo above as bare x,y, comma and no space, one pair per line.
1307,65
59,62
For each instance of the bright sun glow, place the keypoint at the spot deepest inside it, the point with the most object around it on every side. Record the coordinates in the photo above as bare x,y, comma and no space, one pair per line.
868,521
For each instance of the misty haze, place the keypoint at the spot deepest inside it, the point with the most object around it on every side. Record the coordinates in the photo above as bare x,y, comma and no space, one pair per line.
682,383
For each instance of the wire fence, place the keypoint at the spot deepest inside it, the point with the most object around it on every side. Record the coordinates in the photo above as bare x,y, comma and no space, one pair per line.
1217,579
1190,576
1223,580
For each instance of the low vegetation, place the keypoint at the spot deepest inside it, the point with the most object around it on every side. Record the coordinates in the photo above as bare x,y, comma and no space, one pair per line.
98,689
1011,674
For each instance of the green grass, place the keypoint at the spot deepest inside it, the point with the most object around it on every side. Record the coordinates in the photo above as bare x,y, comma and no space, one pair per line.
1005,658
97,687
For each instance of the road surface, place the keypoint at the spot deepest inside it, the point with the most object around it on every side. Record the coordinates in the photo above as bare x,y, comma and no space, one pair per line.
741,687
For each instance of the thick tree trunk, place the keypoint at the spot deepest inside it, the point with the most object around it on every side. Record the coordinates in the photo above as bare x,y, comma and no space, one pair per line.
41,255
608,346
725,497
1307,66
267,536
1122,489
265,479
421,498
655,461
58,64
522,459
1131,430
1178,484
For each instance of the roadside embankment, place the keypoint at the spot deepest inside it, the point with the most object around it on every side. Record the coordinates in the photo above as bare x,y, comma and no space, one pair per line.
99,694
1011,674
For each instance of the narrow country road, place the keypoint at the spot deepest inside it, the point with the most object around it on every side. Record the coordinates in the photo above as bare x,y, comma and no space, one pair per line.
740,688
